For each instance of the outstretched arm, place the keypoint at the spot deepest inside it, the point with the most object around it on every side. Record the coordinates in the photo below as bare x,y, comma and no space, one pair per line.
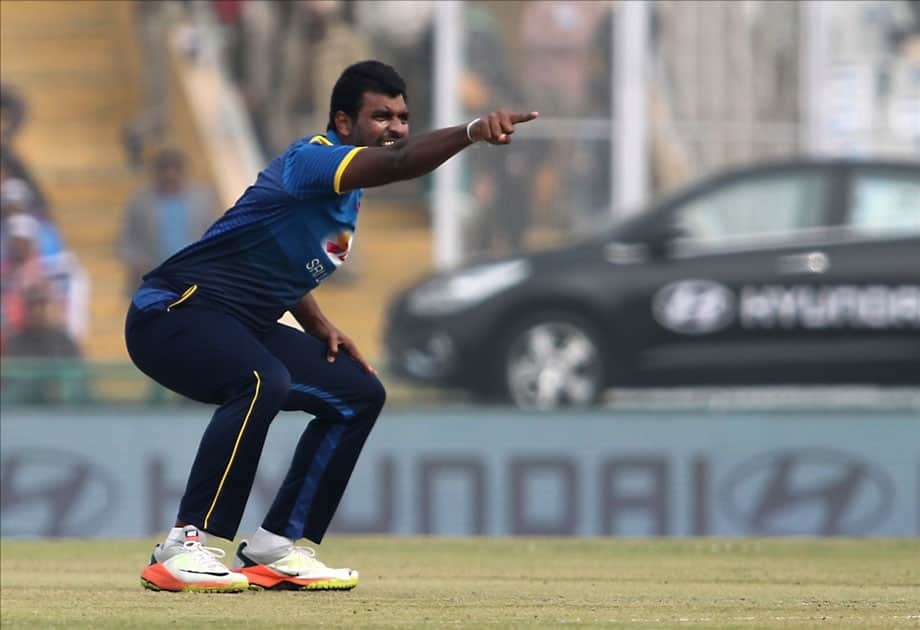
421,154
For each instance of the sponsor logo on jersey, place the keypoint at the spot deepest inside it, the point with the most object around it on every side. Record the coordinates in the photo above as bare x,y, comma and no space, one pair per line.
337,246
317,270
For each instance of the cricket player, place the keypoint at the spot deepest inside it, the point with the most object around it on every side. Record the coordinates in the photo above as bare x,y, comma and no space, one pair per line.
205,324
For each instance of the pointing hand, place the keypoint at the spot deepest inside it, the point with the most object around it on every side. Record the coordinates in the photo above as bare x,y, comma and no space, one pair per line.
497,127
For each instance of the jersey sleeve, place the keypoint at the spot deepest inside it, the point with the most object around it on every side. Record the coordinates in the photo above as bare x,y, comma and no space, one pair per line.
315,167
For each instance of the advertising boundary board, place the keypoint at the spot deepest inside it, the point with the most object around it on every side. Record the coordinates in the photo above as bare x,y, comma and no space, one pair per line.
119,472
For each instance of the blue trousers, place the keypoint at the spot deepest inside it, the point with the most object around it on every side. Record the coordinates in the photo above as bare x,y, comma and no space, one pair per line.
211,357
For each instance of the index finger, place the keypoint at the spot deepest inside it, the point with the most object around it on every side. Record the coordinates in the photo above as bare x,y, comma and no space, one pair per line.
332,345
522,118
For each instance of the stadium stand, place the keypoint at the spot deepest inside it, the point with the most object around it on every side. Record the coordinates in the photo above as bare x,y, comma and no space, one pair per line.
82,79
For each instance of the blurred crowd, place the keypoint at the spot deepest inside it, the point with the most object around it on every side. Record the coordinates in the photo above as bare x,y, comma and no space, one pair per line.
164,216
45,290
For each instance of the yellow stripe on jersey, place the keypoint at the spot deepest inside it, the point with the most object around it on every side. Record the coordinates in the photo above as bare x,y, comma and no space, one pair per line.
320,140
239,437
336,184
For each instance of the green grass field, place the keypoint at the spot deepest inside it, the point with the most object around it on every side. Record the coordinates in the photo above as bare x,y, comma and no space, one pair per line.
499,583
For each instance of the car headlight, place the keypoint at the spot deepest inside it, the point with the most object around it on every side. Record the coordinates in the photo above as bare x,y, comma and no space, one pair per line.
466,288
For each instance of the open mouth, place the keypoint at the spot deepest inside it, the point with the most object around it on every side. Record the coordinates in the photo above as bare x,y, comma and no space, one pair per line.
388,142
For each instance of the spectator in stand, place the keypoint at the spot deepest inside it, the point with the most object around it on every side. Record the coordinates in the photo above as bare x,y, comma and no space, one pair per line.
499,181
319,40
16,197
43,337
253,56
401,33
12,112
32,252
164,218
21,269
41,334
229,15
561,60
153,21
560,55
12,117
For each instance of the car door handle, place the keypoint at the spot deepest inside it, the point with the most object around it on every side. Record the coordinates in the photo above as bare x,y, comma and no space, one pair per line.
810,262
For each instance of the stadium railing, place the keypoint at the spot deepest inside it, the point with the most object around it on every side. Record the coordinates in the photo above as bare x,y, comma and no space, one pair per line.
69,381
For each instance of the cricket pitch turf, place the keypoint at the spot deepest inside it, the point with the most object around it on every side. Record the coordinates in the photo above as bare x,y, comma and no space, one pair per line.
491,583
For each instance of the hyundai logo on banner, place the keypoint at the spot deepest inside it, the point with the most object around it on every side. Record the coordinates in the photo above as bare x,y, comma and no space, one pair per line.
495,473
812,492
53,493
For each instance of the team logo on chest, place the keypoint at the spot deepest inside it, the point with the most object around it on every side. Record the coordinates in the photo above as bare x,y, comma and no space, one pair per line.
337,245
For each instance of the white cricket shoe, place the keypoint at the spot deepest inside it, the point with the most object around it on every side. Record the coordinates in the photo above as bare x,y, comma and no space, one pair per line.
190,566
299,570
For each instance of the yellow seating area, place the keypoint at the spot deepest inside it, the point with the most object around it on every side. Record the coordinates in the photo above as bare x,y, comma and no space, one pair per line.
76,65
79,67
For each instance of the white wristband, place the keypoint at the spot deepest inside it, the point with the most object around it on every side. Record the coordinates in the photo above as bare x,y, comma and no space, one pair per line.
468,126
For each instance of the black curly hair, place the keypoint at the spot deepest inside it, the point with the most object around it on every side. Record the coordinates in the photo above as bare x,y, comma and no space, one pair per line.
361,77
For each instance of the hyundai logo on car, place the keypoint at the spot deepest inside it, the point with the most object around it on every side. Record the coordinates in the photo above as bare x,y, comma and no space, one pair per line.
694,307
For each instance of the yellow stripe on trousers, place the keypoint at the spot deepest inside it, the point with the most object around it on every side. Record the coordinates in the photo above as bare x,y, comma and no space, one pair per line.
188,293
239,437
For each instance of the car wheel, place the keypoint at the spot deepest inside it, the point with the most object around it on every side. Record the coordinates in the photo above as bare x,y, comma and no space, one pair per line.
553,360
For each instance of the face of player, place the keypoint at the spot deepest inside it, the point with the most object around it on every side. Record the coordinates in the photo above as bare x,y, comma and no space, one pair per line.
382,120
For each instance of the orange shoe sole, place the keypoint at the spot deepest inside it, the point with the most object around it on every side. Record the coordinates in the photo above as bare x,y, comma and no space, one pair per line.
157,578
261,577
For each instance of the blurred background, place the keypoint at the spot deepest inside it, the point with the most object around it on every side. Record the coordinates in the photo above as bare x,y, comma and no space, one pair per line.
127,127
105,103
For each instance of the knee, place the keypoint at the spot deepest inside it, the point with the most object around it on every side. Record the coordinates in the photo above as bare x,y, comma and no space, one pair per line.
374,395
274,385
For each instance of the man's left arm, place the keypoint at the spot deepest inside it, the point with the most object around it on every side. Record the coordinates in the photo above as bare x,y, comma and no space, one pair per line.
308,314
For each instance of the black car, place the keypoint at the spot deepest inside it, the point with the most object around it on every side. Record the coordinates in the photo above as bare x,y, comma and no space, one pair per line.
804,272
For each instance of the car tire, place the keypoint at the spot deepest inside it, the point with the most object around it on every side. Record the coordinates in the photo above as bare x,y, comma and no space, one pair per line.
550,360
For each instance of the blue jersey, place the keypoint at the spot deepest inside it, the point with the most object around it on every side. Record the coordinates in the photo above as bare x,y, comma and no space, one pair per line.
288,232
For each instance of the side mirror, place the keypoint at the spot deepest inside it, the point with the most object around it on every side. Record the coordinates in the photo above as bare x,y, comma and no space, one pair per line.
659,240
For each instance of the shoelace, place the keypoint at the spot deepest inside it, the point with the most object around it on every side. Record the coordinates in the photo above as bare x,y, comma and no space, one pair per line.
207,556
308,556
